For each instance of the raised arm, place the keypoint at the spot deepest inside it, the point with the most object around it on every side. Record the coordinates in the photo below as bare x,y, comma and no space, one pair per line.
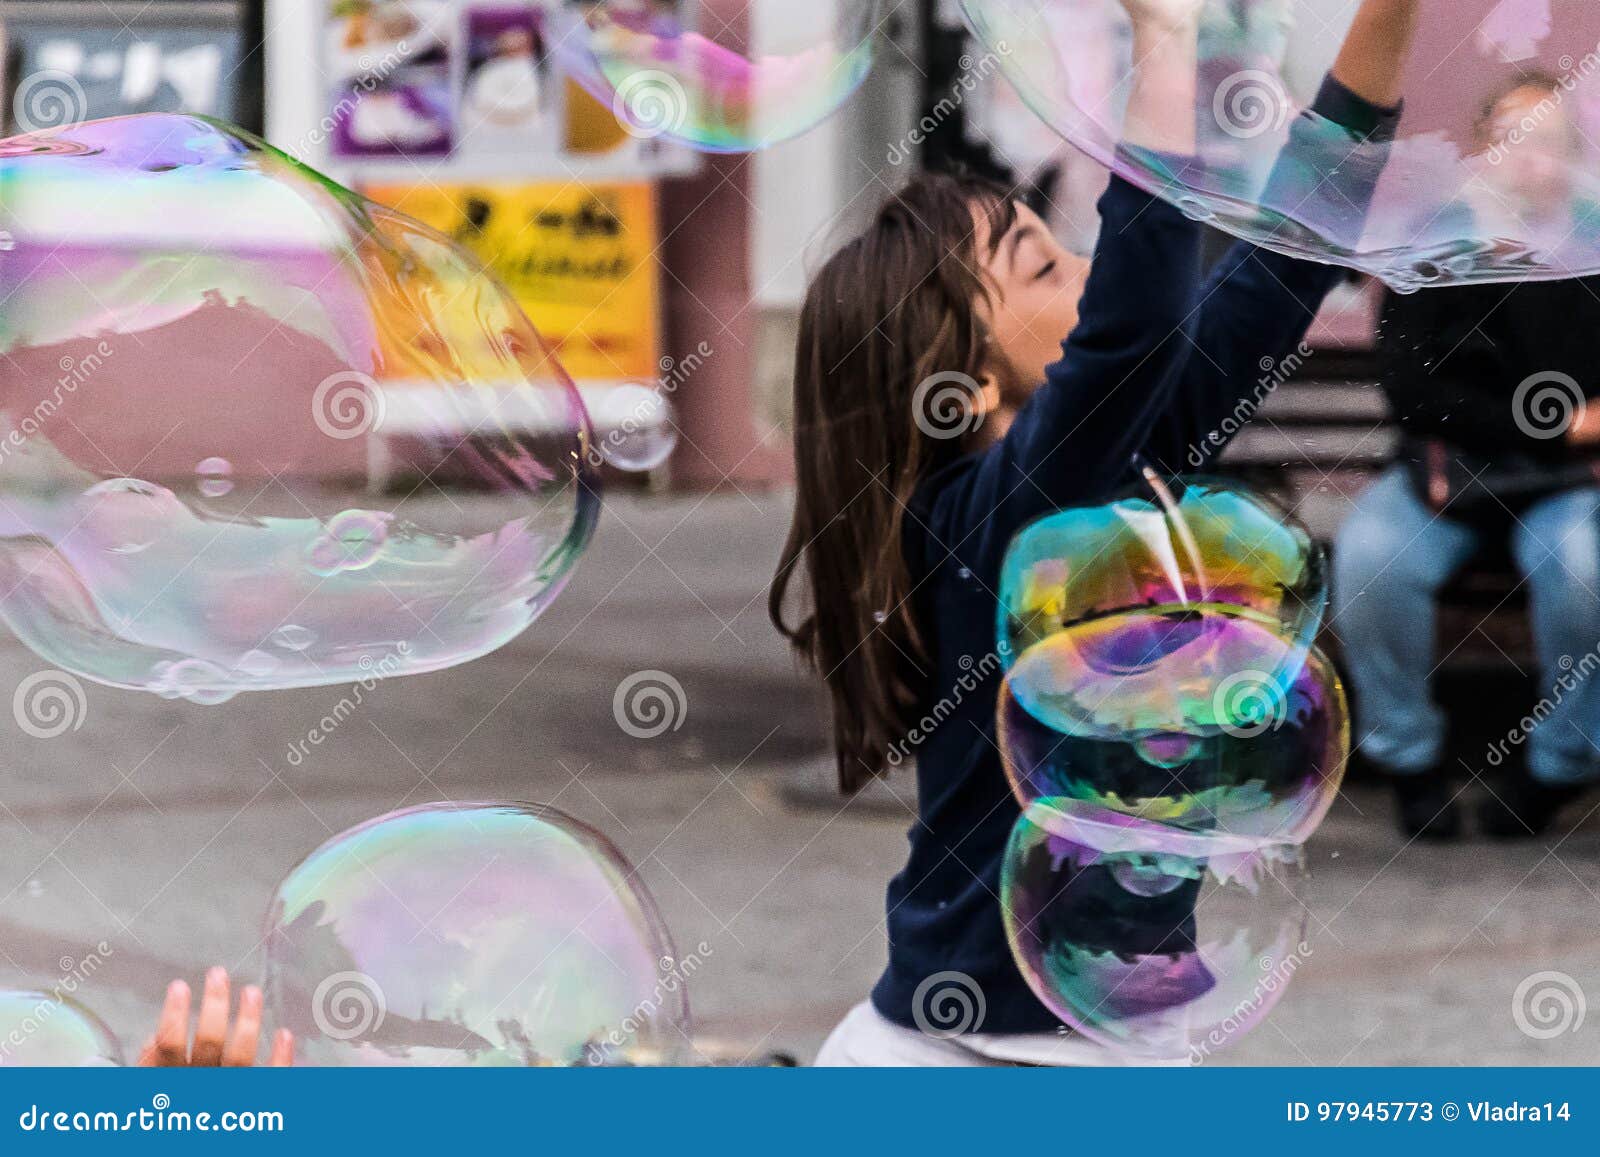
1075,439
1258,304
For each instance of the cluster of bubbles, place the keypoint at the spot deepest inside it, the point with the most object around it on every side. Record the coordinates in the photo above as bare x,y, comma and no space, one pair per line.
1173,737
702,85
471,934
279,455
1491,176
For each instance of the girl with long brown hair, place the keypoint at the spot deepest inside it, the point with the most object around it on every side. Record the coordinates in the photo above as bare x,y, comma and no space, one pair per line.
937,412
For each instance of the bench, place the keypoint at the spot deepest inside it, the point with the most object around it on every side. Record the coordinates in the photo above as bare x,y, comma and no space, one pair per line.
1322,436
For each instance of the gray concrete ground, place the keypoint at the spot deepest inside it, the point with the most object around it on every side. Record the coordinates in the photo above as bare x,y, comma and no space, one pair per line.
161,827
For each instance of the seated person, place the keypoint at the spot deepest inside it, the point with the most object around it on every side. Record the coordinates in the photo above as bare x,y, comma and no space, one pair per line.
1488,383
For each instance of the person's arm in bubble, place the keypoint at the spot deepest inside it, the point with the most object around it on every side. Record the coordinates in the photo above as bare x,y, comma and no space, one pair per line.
1074,440
216,1043
1258,304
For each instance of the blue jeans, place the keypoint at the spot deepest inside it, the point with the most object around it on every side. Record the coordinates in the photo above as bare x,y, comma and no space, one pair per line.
1392,557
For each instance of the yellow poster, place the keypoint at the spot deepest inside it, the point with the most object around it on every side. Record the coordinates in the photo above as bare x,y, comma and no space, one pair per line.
581,260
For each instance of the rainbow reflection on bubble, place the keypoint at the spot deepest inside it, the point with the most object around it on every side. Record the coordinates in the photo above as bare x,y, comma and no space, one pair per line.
1156,942
43,1030
1195,718
1490,178
1177,546
671,80
259,432
473,934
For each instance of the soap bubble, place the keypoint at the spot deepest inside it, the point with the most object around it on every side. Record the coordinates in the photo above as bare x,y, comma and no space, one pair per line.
701,85
1153,941
245,412
635,427
473,934
1194,545
1492,176
43,1030
1185,718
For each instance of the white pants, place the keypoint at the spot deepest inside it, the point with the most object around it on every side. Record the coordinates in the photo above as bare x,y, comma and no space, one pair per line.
864,1039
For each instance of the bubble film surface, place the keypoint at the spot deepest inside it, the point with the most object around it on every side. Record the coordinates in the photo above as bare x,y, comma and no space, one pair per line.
1492,175
472,934
1166,547
258,432
42,1030
700,85
1187,718
1153,941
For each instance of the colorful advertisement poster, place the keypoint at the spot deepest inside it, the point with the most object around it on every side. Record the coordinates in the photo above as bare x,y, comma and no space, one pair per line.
581,260
509,95
389,66
474,91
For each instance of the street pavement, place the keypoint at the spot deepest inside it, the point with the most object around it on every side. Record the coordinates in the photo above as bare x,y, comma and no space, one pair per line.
160,828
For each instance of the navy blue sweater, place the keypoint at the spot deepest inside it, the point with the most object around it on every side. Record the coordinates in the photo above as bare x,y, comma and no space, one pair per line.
1159,359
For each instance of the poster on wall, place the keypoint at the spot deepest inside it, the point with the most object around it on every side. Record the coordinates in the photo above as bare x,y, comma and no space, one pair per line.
580,259
470,88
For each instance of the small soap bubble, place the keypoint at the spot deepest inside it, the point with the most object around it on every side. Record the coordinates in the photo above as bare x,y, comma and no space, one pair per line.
636,430
700,85
293,637
215,477
352,540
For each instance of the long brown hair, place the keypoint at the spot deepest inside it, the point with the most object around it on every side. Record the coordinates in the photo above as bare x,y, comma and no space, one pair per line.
891,311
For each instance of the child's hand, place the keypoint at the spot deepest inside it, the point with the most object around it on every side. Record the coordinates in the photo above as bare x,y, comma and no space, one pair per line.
213,1043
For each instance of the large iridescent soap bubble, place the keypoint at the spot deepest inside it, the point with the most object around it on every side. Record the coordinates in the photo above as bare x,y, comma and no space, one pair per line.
47,1030
1184,717
1201,546
469,935
259,432
699,83
1493,174
1154,941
